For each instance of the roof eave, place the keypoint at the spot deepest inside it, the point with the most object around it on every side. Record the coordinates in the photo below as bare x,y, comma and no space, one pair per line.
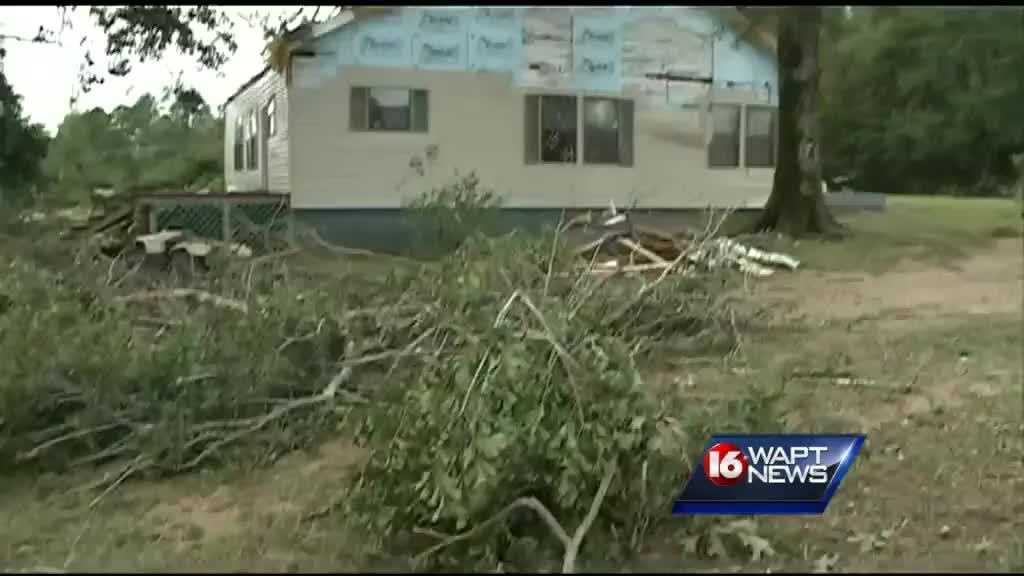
248,84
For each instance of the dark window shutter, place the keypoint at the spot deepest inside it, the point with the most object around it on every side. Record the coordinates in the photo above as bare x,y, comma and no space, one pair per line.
357,109
531,132
420,110
724,149
626,132
760,135
239,141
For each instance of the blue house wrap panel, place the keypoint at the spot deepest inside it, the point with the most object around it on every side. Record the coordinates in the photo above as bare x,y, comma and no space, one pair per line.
495,39
597,53
383,42
495,50
550,46
440,52
440,20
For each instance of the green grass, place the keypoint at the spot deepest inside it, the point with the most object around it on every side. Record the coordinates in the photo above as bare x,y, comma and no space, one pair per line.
926,228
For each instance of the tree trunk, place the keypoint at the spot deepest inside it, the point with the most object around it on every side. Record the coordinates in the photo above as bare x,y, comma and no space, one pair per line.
797,205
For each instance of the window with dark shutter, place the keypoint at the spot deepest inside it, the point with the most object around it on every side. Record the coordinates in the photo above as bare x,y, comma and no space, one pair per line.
724,149
389,110
760,137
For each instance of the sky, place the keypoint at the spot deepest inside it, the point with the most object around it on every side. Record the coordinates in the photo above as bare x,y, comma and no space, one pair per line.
46,75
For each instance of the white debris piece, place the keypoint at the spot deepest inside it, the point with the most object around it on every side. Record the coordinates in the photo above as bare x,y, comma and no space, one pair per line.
241,250
194,249
617,219
748,260
662,251
157,243
760,255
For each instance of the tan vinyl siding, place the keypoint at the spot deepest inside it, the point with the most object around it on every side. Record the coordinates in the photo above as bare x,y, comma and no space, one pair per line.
273,160
479,122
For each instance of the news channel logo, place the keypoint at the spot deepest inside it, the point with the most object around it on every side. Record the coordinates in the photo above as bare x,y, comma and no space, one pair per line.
755,474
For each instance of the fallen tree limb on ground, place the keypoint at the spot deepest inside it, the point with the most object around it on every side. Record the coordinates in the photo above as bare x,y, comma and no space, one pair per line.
503,353
199,295
571,545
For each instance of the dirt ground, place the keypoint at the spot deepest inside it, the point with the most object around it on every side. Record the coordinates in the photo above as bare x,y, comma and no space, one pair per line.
939,485
986,282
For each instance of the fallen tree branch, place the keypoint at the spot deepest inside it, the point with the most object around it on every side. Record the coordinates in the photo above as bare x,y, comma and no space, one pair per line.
571,366
572,550
137,465
258,423
35,452
527,502
571,545
200,295
554,251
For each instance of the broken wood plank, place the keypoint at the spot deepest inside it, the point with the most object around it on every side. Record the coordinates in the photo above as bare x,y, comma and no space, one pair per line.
592,245
641,250
646,267
119,217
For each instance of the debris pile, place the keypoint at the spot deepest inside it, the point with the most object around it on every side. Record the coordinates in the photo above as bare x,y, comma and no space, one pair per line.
623,246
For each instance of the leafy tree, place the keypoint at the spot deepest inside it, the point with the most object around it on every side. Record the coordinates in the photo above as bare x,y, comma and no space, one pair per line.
22,147
174,143
925,100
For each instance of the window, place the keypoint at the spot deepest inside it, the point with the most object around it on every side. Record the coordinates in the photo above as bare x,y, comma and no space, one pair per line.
552,126
388,110
271,112
558,129
239,145
607,131
760,144
724,150
250,142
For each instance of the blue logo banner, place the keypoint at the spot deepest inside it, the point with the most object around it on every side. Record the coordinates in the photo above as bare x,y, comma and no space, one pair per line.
768,474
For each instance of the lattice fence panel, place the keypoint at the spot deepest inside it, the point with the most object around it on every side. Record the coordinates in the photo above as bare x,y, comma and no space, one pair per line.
204,220
261,226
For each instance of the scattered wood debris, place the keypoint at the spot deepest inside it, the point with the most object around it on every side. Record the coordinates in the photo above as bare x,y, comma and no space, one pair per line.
625,247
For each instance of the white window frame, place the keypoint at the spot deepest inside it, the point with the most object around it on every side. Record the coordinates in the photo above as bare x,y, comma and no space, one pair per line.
270,111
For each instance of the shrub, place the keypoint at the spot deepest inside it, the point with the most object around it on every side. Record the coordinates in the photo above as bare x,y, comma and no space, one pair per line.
443,218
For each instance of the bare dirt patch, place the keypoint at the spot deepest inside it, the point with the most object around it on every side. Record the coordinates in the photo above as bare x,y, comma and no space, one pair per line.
196,517
233,510
987,282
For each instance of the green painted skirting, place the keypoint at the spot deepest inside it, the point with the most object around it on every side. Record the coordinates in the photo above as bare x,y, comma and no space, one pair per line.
398,231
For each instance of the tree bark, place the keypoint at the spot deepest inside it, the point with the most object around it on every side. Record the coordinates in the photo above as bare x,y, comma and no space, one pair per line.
796,205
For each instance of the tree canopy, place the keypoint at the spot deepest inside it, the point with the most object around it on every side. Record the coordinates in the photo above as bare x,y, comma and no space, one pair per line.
22,147
924,101
175,142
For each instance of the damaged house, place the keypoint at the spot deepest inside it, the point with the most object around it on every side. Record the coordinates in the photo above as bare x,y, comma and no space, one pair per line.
656,108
